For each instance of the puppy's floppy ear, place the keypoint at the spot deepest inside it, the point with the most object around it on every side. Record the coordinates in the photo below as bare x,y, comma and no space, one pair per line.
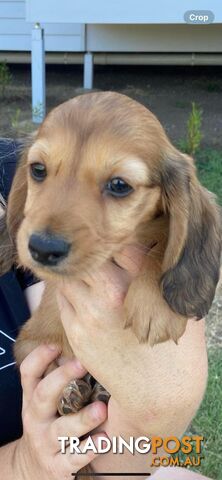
12,215
192,258
6,246
17,197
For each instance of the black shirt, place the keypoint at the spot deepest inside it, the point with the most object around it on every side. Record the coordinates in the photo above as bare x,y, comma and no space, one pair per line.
13,313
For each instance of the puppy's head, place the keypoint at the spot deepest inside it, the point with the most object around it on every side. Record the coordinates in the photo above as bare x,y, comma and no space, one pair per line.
89,184
101,174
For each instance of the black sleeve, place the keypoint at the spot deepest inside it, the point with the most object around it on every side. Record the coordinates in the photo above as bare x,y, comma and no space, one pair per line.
13,313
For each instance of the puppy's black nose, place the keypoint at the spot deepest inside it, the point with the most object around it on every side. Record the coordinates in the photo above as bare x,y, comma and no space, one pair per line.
47,248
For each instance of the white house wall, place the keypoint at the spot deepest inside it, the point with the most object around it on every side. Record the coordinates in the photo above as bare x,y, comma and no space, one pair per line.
154,38
15,32
15,35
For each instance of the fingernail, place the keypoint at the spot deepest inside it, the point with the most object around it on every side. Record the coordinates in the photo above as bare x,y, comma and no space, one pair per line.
95,412
98,413
97,439
77,365
62,360
104,434
53,347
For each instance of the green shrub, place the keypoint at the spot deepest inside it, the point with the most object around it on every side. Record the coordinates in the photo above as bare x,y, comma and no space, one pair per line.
191,143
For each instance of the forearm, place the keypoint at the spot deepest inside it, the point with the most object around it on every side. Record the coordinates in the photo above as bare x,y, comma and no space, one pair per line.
169,402
10,469
7,462
118,426
155,391
143,379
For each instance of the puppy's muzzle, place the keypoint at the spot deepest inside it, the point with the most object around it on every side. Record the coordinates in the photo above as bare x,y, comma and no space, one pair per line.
48,249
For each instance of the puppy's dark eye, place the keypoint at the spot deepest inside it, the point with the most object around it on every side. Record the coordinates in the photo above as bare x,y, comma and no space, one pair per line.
38,171
117,187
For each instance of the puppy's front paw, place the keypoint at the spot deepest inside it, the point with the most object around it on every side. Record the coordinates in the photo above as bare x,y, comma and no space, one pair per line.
79,393
155,323
99,393
75,396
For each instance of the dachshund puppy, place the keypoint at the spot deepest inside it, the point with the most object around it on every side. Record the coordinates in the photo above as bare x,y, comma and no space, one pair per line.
101,174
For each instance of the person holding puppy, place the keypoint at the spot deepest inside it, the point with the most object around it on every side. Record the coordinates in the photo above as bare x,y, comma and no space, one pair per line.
162,390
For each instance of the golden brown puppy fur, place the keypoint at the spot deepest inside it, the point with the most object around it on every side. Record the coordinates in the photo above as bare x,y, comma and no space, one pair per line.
84,143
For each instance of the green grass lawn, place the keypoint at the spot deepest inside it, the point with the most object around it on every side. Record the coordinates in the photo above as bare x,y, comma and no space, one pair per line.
209,164
208,421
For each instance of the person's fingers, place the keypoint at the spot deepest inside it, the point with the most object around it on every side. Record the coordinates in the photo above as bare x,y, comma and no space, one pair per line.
78,424
122,269
112,282
48,391
113,278
68,315
109,287
34,366
109,284
61,360
76,292
78,460
66,298
131,258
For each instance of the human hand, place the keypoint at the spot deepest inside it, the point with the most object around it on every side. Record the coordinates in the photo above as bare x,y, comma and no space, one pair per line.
144,382
92,310
37,453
